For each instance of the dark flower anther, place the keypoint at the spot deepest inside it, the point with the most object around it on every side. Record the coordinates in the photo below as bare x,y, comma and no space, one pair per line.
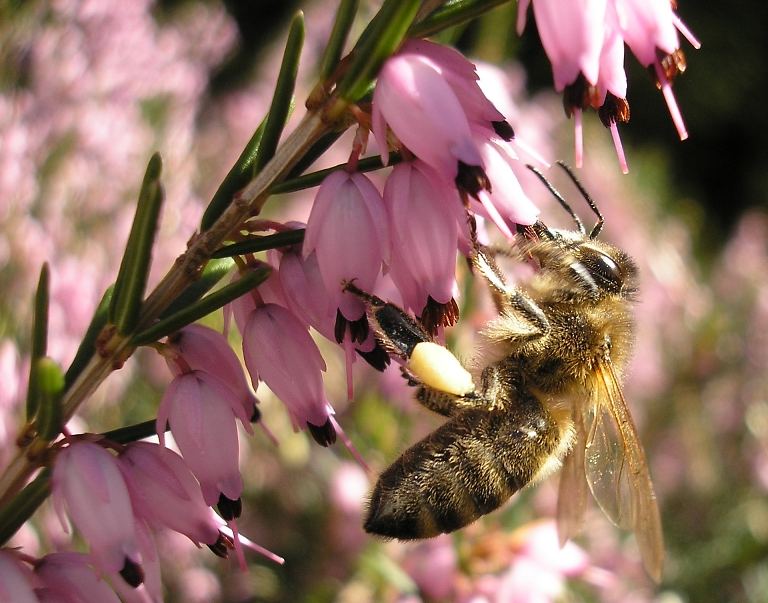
132,573
324,434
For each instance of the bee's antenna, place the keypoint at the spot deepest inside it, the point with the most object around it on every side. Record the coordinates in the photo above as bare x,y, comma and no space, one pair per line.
600,220
556,194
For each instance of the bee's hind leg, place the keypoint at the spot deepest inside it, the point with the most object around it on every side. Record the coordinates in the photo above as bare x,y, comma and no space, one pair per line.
444,384
396,331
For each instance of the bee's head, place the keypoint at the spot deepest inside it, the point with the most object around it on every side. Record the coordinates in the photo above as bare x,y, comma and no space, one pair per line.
581,266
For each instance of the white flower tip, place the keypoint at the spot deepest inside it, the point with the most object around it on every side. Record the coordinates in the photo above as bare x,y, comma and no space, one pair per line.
438,368
578,139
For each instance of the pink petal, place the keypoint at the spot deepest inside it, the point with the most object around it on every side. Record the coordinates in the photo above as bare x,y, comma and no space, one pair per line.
89,481
424,113
522,10
70,575
205,349
277,345
572,36
203,425
166,493
15,580
324,201
424,229
647,25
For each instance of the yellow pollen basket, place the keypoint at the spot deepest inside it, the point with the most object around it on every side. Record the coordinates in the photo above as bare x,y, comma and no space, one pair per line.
436,367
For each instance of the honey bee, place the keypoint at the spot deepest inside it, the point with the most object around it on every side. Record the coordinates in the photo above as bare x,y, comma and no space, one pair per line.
544,392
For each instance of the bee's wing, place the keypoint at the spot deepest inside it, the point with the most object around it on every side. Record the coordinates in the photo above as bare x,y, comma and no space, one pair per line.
617,472
572,493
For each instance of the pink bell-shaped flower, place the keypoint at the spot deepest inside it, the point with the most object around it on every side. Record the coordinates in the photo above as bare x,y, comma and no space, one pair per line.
151,590
278,347
165,492
16,579
572,36
506,204
414,97
649,28
461,76
424,212
70,577
207,350
88,482
305,291
347,229
201,411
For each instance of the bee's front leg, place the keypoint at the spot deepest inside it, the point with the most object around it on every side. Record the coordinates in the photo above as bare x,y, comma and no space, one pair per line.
510,301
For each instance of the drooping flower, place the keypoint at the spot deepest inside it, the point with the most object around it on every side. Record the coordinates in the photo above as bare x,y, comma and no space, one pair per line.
201,411
204,349
347,229
165,492
414,98
70,577
278,347
649,27
572,35
305,291
151,590
424,212
506,204
88,482
461,75
584,41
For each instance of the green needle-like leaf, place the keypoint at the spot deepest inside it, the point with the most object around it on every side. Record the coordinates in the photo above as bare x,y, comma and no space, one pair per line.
214,271
453,12
368,164
23,505
345,16
132,433
202,308
49,412
87,345
281,99
380,39
134,269
240,174
315,152
273,241
39,338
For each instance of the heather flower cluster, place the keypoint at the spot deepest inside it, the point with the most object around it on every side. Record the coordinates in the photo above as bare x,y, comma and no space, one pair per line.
452,173
585,44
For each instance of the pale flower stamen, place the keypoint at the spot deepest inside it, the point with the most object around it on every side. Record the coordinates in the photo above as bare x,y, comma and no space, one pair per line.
619,147
669,97
349,445
687,33
578,138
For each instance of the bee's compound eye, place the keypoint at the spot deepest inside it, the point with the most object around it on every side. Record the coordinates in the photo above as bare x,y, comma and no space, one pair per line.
604,270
